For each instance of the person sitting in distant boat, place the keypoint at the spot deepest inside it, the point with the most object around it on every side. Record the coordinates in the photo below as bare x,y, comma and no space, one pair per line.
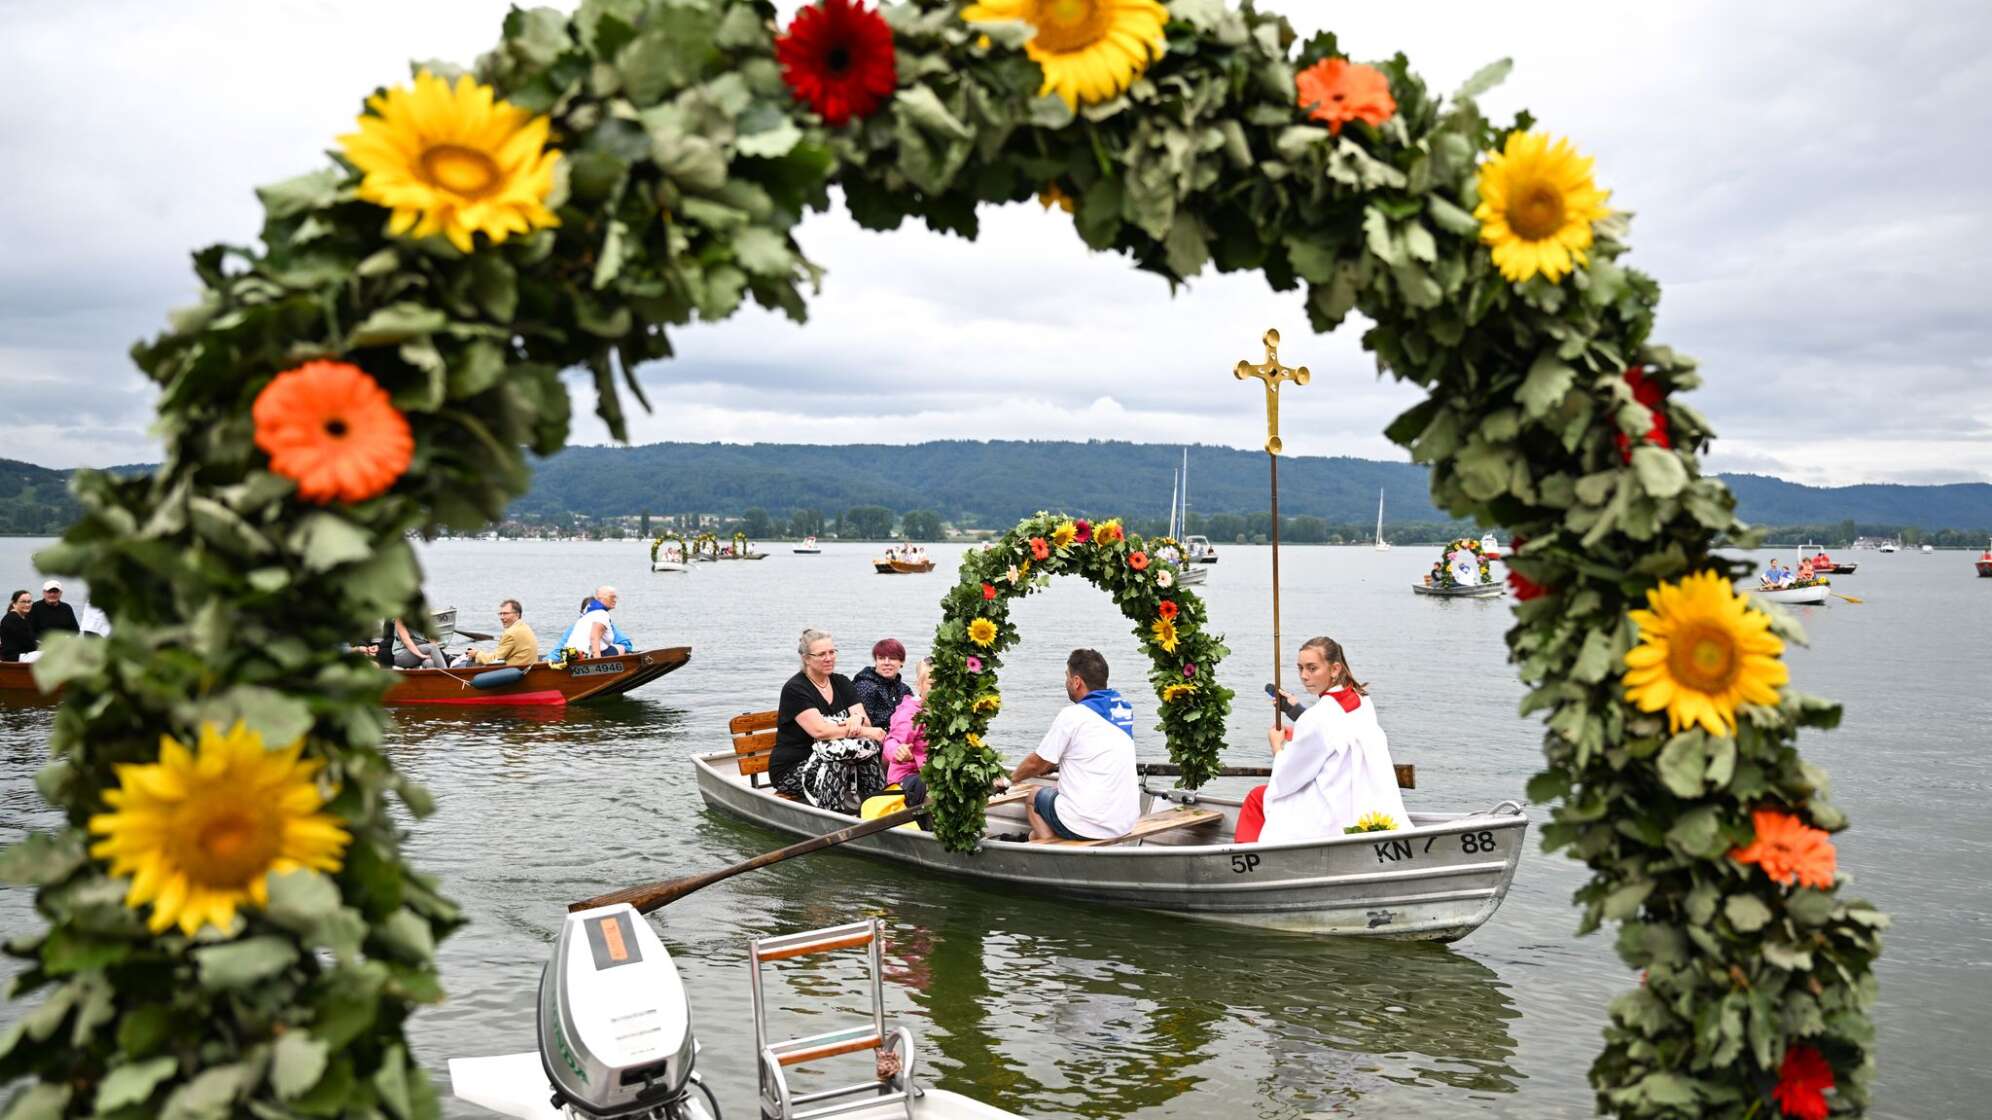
596,634
1331,768
517,644
1091,742
905,739
18,640
879,685
1465,567
399,648
51,613
826,751
1805,573
1773,576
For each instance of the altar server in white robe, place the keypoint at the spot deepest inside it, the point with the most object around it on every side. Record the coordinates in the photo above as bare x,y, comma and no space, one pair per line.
1331,768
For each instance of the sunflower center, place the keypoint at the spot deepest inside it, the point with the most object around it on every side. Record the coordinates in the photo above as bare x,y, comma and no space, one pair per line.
1071,25
1704,658
1537,211
464,171
228,845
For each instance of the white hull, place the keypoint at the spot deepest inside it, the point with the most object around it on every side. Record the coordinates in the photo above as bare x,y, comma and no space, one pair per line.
1461,591
1192,575
1792,594
1438,880
669,566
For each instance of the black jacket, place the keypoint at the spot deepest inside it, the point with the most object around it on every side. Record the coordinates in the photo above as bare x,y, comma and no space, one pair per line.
17,636
44,617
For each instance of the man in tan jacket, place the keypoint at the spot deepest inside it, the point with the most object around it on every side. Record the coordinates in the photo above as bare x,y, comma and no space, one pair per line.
518,645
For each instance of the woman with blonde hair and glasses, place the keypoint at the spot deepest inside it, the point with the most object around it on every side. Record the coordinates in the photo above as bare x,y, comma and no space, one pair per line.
1332,767
826,749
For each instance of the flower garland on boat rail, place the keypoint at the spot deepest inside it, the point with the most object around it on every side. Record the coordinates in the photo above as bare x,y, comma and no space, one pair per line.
381,360
975,631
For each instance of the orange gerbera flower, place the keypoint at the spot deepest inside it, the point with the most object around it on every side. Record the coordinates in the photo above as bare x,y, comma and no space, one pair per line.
1039,548
1338,91
1788,849
1167,609
332,429
1138,560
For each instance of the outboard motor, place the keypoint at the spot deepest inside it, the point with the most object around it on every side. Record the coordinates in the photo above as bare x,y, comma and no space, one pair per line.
615,1033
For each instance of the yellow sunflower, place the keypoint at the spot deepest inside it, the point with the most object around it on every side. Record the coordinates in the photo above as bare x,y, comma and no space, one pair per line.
1374,821
454,161
1175,692
1064,534
1537,203
1091,50
988,703
981,631
1703,652
199,830
1165,634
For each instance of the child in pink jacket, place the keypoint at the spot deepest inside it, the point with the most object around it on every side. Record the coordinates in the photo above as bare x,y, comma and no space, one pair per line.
905,741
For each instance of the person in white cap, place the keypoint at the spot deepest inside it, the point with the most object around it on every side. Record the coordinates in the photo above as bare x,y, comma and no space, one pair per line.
52,613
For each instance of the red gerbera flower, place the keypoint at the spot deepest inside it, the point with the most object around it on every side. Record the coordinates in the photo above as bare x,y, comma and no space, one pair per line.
1167,609
988,591
1802,1083
838,57
1524,587
1654,396
1138,560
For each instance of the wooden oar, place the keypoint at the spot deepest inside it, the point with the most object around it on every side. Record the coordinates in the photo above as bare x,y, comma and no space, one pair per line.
1848,598
651,896
473,636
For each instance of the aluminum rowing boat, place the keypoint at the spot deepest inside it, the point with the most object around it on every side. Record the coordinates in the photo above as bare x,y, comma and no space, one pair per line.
1461,590
1811,593
1437,880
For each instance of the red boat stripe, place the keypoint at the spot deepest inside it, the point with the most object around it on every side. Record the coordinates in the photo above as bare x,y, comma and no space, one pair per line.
542,698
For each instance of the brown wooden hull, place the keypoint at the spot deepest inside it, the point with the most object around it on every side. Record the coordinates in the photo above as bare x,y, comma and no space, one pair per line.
901,567
543,685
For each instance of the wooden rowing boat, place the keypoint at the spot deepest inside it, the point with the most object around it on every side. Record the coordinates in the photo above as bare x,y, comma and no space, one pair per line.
542,685
1437,880
893,566
577,681
1460,590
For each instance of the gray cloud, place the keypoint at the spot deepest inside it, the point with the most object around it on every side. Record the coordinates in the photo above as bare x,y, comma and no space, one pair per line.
1807,183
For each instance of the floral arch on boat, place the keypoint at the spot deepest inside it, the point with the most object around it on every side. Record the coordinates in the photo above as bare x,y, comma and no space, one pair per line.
382,360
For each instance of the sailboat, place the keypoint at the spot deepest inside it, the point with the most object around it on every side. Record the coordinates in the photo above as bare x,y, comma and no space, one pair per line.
1189,563
1381,544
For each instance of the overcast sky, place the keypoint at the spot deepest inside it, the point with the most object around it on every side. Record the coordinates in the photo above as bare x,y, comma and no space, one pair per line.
1809,181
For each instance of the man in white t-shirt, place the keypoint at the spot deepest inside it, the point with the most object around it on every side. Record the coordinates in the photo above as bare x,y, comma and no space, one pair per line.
1092,744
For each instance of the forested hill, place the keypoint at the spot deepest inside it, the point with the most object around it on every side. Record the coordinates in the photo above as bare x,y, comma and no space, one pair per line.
997,482
34,501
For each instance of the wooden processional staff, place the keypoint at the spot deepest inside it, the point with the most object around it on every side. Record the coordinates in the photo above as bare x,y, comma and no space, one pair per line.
1273,373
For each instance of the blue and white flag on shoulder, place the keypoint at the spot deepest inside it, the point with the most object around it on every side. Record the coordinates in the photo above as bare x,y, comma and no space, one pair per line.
1109,706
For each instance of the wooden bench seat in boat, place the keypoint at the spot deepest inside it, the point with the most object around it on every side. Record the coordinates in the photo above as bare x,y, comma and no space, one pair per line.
1167,820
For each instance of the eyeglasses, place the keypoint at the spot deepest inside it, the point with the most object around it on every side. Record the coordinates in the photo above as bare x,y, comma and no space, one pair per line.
824,653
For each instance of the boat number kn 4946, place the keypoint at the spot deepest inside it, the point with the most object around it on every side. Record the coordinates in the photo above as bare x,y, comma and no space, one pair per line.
596,669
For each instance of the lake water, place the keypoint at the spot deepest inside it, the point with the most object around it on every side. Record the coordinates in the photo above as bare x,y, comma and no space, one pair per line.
1052,1008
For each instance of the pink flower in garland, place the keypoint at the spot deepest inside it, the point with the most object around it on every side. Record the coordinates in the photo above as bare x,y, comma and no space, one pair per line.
974,664
1082,530
838,57
1190,670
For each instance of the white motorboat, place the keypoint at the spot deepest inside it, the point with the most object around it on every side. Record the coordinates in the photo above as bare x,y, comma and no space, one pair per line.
1810,593
1490,549
1438,879
1381,544
616,1042
1927,549
808,547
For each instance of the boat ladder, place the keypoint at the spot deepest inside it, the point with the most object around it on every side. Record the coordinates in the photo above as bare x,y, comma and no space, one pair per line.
895,1059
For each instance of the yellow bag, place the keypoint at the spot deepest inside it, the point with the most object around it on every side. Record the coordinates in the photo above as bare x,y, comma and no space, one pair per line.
876,807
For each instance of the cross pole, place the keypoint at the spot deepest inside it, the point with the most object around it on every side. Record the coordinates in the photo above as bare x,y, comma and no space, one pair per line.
1273,373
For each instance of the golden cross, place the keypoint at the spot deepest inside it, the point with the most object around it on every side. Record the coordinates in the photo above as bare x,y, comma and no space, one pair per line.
1272,373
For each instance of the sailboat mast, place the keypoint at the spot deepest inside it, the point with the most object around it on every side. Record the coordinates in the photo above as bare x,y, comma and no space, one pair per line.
1379,515
1175,481
1186,491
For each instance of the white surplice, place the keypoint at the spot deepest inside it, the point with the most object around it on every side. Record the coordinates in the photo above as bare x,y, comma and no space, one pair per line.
1336,770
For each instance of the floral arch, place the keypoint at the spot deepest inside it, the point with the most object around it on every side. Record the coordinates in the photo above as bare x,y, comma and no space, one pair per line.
658,542
380,362
1169,622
